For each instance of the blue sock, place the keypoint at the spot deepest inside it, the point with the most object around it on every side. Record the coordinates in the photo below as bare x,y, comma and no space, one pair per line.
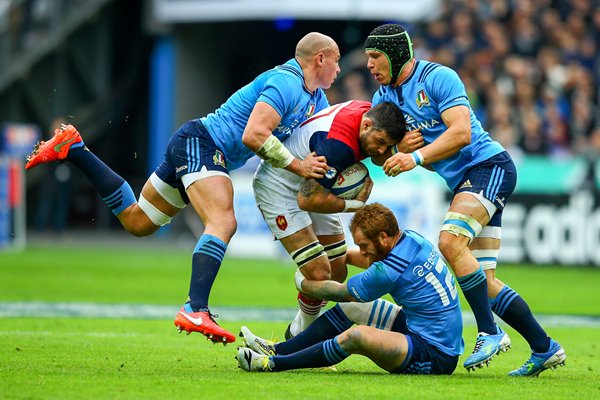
513,310
206,261
113,189
474,287
322,354
330,324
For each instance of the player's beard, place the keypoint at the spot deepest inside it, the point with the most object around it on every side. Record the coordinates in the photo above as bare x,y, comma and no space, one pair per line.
362,139
380,251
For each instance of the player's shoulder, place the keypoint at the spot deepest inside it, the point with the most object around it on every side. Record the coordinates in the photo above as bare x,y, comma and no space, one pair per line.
409,246
351,108
429,72
416,240
288,75
289,71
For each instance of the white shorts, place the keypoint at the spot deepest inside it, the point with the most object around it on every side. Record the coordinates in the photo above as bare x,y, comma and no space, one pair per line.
277,202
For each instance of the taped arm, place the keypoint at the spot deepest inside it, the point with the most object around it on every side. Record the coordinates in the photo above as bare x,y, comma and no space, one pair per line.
258,137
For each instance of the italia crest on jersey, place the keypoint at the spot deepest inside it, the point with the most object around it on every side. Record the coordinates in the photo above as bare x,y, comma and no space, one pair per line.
311,110
281,222
422,99
219,159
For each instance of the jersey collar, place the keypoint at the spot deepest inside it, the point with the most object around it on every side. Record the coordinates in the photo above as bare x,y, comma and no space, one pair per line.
409,77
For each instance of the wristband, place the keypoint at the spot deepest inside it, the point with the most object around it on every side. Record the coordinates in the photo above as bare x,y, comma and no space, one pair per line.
353,205
395,149
418,157
274,152
298,279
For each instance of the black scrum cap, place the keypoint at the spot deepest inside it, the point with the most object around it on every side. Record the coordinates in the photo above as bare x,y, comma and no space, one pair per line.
393,41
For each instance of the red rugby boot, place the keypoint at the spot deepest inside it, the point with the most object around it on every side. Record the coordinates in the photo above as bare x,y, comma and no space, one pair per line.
54,149
203,322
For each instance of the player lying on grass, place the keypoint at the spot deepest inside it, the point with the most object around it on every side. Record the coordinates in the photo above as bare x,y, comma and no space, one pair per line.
424,337
303,214
198,158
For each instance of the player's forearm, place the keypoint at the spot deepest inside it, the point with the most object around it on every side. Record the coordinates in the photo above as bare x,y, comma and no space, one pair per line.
353,257
324,203
327,290
295,167
456,136
313,197
448,144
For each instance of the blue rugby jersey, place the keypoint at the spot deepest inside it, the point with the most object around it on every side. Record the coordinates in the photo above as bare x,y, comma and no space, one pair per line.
430,90
281,87
416,277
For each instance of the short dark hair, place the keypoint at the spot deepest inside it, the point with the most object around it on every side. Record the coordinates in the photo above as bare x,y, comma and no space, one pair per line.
387,117
373,219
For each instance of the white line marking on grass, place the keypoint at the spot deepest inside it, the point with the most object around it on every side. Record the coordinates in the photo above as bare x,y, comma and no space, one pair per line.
78,334
149,311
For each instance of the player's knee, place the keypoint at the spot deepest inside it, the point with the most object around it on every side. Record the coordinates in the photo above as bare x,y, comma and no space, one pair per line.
353,339
223,226
449,246
140,228
136,222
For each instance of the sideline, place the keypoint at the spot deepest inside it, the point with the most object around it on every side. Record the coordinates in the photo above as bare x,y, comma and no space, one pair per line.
149,311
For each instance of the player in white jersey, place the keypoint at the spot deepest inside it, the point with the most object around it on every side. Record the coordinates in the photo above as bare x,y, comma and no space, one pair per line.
302,214
482,176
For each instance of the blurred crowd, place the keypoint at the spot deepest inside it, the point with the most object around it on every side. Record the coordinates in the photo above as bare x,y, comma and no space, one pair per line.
531,69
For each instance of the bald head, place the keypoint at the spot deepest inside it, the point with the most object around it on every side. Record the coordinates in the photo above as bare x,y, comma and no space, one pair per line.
314,43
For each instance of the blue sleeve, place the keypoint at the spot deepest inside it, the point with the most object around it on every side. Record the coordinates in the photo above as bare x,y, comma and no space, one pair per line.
339,157
446,89
371,284
281,91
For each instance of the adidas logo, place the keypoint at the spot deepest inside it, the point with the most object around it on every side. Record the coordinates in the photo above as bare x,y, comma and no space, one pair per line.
467,184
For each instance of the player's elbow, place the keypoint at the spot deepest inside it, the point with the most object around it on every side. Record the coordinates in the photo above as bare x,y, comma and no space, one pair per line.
464,136
254,137
247,139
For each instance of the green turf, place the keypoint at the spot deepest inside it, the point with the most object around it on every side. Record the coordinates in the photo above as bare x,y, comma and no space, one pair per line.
125,359
64,358
162,277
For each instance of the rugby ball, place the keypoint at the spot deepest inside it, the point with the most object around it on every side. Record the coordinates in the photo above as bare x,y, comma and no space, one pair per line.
350,181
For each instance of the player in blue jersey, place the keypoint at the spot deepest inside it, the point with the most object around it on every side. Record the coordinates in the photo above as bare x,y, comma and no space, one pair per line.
254,120
303,214
482,176
424,337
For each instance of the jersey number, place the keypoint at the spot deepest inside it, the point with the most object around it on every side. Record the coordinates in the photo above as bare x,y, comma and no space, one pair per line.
437,285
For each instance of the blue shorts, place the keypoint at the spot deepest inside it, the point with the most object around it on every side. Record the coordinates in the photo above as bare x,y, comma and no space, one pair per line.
425,359
495,178
191,149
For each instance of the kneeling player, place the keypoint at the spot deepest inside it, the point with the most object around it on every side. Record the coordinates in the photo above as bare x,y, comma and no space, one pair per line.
302,214
425,337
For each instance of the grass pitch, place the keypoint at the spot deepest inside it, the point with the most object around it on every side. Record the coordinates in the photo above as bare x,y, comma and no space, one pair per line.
80,358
